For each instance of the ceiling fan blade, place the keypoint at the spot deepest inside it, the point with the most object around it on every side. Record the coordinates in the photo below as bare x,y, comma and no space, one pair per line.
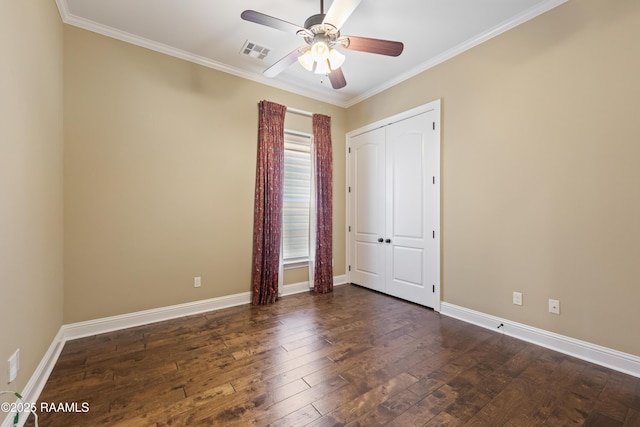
381,47
285,62
340,11
270,21
336,77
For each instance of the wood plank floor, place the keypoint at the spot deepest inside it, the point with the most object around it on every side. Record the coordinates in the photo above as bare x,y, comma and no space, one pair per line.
353,357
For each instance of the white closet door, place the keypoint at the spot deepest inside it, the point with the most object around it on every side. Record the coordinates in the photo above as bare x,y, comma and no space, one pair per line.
411,202
367,213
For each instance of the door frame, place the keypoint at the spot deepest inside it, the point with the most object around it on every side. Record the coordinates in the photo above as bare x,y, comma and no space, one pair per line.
430,106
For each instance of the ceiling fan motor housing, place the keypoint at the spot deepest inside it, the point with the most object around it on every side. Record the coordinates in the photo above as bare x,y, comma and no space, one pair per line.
315,25
314,20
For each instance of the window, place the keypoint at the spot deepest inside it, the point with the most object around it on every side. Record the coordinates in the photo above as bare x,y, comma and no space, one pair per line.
296,198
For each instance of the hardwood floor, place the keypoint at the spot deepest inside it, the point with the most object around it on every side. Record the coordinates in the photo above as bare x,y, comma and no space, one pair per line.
354,357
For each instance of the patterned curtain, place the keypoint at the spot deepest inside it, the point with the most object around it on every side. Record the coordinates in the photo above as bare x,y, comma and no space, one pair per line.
267,219
323,269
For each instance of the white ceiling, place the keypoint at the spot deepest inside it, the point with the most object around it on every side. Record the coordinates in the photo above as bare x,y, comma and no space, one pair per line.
211,33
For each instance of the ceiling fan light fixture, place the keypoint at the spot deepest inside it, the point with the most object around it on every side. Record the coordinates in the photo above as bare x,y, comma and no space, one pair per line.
336,59
306,60
320,51
321,59
322,67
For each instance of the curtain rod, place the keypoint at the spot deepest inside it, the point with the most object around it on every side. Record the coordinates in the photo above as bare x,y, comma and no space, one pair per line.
299,112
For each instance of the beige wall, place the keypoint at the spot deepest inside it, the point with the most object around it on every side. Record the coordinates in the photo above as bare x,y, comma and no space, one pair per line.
30,184
159,177
539,182
540,176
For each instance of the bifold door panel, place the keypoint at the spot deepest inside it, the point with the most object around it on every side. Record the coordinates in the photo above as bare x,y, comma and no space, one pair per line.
392,202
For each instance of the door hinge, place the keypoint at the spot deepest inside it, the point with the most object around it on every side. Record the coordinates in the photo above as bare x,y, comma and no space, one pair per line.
434,179
434,125
349,150
349,229
434,289
349,268
434,234
349,189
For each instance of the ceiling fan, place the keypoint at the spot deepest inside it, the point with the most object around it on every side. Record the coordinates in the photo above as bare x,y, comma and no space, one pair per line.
321,32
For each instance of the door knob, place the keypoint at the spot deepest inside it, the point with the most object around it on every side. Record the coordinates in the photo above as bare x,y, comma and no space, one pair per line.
388,241
380,240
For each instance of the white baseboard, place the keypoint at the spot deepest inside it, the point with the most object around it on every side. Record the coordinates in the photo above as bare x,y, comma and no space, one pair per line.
71,331
32,390
297,288
603,356
139,318
340,280
145,317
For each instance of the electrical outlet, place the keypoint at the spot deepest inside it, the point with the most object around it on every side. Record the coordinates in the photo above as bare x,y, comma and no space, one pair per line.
14,365
554,306
517,298
197,282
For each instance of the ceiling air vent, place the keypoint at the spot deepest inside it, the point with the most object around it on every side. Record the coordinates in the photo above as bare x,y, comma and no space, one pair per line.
254,50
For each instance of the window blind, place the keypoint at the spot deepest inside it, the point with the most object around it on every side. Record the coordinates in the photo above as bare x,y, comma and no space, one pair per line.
296,198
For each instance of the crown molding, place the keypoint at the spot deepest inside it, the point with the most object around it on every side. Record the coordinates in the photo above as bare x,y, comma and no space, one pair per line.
95,27
505,26
143,42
